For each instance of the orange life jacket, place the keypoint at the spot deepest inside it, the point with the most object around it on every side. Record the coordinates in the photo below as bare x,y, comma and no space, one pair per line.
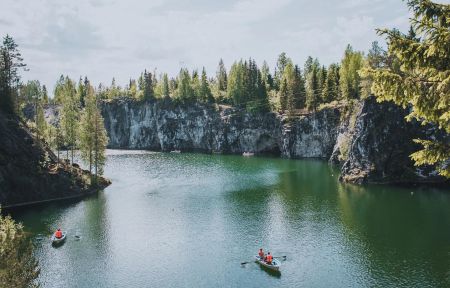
269,259
58,234
261,254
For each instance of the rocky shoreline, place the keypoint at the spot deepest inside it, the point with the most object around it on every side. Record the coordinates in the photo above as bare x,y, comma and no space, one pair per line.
370,141
31,173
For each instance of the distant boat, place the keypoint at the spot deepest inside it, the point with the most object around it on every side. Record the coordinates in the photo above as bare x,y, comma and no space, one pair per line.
175,151
248,154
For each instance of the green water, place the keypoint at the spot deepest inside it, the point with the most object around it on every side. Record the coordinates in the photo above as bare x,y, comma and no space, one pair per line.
189,220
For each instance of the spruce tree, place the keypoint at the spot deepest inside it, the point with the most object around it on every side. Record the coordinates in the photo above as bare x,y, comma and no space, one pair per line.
350,80
313,94
45,99
184,89
421,82
330,89
41,124
165,86
235,85
93,138
148,86
10,62
221,75
205,91
298,90
282,62
70,115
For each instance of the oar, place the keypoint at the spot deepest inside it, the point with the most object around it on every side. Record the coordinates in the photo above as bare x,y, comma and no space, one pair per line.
284,257
243,263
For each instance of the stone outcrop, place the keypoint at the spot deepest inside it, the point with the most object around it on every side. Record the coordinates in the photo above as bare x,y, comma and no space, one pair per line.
166,126
30,172
370,141
380,146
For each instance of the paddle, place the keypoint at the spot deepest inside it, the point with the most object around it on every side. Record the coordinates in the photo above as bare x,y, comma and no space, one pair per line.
283,257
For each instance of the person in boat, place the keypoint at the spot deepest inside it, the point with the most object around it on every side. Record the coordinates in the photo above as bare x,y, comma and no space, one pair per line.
261,254
58,234
269,258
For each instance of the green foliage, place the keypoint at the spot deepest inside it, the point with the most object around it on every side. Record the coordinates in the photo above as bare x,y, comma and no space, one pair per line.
93,138
350,79
330,90
292,89
162,88
422,80
313,93
18,267
205,94
221,75
282,62
41,124
246,86
69,114
148,86
184,90
10,63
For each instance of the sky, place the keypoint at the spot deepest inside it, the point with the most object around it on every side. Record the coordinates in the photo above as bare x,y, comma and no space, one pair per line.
113,38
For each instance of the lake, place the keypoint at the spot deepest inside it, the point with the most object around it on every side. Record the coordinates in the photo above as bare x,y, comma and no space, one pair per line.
189,220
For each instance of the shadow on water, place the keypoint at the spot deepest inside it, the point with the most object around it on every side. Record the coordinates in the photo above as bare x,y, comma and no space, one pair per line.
273,273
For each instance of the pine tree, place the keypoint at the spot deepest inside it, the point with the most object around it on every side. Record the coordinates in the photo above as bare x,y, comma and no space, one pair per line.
422,80
81,91
313,94
298,90
350,81
10,62
165,86
70,115
41,124
322,77
330,91
59,90
184,89
205,91
148,86
195,84
221,75
87,129
93,138
235,88
266,76
283,94
282,62
18,266
45,99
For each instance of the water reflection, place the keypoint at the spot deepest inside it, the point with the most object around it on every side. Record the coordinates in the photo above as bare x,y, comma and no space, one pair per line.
189,220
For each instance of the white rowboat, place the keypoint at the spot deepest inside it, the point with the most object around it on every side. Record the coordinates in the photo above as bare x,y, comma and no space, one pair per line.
56,241
275,266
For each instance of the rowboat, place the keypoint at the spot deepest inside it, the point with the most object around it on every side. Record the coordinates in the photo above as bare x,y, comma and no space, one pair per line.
248,154
56,241
275,266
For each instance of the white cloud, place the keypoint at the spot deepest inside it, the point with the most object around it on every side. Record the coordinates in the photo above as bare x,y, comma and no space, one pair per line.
102,39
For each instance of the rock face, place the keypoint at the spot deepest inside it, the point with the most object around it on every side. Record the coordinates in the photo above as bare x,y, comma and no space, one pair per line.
371,141
167,126
29,170
381,144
